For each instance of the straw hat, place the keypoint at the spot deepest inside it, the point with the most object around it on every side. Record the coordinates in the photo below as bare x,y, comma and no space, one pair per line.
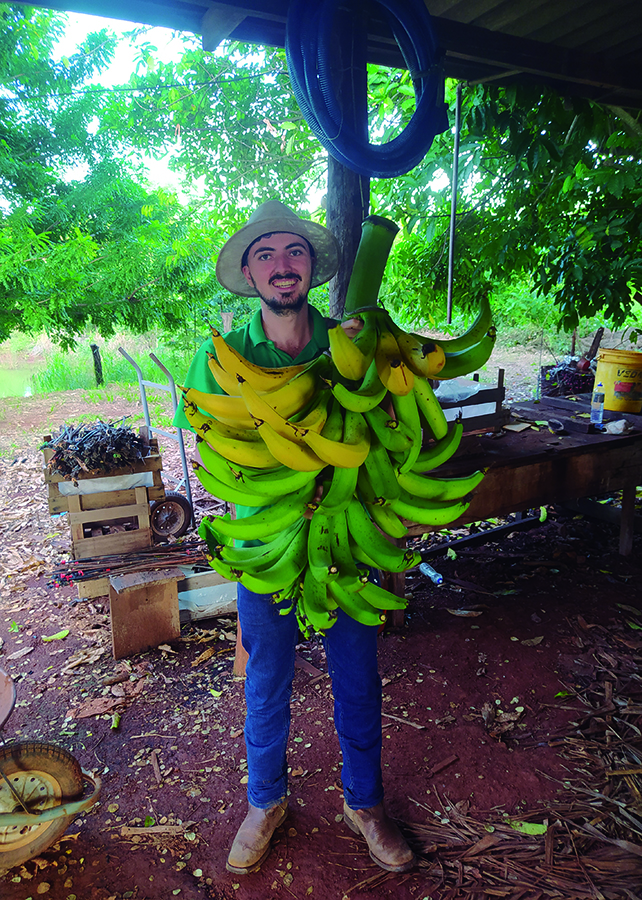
271,217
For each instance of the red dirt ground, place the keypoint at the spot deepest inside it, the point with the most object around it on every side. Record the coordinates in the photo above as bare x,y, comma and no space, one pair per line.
178,759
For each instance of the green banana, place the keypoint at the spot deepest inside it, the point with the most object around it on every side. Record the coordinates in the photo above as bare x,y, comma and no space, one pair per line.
377,236
429,487
253,560
393,434
320,560
387,520
366,339
380,598
430,409
271,483
213,540
429,512
229,493
270,520
440,451
349,574
352,603
369,394
315,607
338,495
386,556
360,554
284,571
407,411
469,338
470,360
365,490
381,471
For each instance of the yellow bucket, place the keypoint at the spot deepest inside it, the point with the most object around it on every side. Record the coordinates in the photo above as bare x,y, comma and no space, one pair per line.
620,371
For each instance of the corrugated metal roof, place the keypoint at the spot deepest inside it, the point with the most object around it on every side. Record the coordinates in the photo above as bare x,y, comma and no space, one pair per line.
588,47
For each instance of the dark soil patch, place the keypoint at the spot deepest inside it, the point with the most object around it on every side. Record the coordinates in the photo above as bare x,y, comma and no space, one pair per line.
486,689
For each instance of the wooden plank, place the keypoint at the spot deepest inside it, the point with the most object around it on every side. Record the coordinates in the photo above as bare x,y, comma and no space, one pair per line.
97,587
117,512
106,544
106,500
77,533
143,610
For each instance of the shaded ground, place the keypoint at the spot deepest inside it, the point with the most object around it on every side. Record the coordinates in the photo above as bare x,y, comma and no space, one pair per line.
496,703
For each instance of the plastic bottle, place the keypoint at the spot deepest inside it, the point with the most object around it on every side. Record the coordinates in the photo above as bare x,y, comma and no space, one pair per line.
429,572
597,405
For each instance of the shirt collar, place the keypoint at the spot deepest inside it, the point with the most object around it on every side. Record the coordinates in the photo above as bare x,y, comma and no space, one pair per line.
319,329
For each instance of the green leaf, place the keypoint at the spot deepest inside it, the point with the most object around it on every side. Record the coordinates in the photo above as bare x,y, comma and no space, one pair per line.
529,827
451,553
543,514
14,627
149,822
59,636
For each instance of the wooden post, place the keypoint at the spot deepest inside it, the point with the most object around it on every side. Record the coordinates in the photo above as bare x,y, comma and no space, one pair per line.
348,199
98,364
241,657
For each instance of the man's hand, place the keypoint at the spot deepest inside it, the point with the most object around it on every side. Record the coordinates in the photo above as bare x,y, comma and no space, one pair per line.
352,327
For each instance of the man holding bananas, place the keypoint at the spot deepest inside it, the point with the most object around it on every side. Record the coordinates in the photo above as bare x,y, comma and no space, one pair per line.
278,257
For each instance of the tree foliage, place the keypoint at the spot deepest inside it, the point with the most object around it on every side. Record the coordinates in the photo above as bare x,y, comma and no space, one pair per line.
551,190
550,186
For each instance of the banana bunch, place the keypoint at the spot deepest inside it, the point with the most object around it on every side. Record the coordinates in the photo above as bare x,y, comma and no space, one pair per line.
330,456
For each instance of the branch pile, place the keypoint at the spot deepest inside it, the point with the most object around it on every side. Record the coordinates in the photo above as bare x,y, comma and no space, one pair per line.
185,553
95,448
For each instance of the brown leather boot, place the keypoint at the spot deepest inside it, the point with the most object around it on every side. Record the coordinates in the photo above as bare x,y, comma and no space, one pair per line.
252,842
387,845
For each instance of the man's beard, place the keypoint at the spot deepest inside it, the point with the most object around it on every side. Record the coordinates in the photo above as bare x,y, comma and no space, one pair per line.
287,304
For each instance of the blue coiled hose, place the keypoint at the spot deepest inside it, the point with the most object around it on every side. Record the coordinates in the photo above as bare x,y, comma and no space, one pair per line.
309,34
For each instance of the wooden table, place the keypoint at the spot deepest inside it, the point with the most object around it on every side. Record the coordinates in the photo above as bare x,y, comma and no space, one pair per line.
533,468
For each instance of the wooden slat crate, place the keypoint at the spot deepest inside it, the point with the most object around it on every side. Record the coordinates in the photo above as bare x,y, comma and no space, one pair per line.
482,412
106,522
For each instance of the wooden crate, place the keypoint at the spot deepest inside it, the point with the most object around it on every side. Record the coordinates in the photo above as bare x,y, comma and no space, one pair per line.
111,521
482,412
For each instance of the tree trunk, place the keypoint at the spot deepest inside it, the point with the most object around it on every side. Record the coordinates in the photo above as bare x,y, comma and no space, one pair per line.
348,200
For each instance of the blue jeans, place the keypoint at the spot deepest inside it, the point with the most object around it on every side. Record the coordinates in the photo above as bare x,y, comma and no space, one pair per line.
351,651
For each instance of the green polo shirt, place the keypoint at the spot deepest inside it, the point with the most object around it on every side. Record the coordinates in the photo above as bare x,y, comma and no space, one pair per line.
251,342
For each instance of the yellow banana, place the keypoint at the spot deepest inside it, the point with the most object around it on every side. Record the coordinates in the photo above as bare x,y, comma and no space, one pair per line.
285,400
261,379
348,453
346,355
393,372
423,358
225,381
295,456
260,410
239,445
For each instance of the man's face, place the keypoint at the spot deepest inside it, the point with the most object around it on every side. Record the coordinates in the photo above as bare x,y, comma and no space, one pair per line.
279,267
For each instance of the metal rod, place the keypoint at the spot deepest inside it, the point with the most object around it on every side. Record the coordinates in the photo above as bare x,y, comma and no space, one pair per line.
141,384
179,431
453,207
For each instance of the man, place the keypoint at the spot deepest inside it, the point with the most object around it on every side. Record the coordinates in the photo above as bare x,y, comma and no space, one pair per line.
278,257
